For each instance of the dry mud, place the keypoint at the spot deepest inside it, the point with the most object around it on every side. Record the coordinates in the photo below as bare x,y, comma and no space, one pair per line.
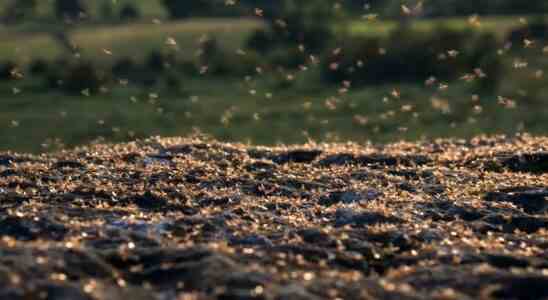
183,218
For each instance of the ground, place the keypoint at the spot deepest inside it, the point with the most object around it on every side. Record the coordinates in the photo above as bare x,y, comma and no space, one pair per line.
193,218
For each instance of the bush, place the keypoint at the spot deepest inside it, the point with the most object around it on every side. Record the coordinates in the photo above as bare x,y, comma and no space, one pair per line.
296,23
156,61
129,12
124,67
9,71
537,30
178,9
106,10
174,83
290,58
412,57
188,68
19,10
214,58
56,73
70,9
261,40
82,76
38,67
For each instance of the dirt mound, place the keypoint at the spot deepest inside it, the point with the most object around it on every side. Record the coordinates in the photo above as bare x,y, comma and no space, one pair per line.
191,219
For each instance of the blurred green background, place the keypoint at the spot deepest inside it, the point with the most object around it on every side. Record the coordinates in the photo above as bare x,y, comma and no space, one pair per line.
259,71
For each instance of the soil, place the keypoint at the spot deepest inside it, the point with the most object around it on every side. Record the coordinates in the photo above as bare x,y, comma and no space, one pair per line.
184,218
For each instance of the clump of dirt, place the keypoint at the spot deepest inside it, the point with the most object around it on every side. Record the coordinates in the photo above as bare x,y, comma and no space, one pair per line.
181,218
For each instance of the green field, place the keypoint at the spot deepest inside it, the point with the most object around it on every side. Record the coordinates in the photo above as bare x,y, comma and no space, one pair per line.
263,109
127,40
500,25
228,110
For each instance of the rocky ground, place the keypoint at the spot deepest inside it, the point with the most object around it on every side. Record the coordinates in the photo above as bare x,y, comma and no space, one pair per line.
197,219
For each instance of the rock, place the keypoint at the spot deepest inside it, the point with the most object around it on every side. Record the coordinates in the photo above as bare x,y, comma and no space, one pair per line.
408,187
533,200
201,273
433,189
522,287
296,292
6,160
250,240
219,201
161,159
365,248
526,224
182,149
506,261
297,156
402,241
8,173
407,174
69,164
30,229
337,159
60,292
429,236
375,159
315,236
348,197
528,163
345,216
309,252
260,166
149,201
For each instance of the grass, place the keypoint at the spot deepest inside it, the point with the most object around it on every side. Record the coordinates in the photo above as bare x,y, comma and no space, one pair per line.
500,25
123,40
227,110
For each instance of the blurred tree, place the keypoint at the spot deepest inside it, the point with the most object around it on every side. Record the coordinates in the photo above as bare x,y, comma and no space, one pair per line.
129,12
106,9
178,9
70,9
19,10
305,22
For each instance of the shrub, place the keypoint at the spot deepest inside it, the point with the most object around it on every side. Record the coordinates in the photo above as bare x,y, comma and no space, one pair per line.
70,9
188,68
124,67
156,61
178,9
38,67
174,83
296,23
106,10
213,57
83,76
411,57
290,58
56,73
9,70
129,12
537,30
261,40
19,10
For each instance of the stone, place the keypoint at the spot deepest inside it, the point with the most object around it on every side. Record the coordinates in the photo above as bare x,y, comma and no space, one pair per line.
345,216
528,163
297,156
348,197
533,200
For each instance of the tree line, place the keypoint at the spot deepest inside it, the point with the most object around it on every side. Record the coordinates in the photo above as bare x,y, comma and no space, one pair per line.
177,9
